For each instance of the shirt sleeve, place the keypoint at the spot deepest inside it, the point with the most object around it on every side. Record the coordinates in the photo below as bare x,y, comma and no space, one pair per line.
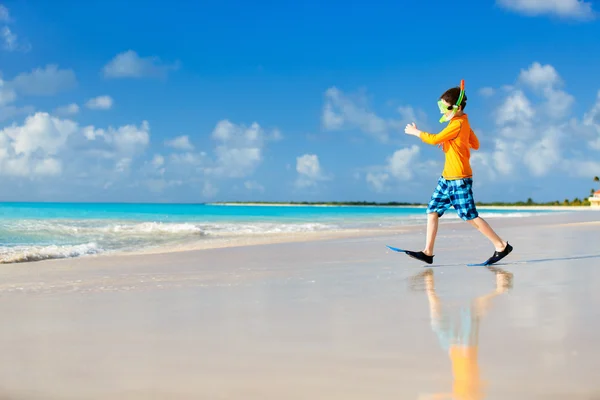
473,141
450,132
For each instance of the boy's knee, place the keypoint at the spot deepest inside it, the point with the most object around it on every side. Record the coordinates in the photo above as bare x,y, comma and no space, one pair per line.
473,221
433,215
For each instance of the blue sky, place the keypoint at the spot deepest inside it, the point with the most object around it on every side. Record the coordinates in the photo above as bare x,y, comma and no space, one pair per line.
231,100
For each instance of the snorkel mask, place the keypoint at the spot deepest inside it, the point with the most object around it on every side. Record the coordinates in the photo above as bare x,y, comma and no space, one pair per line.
444,108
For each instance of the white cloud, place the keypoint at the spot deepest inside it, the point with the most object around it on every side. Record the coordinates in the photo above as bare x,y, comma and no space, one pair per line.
111,155
7,95
119,143
4,14
346,112
544,153
253,185
123,164
591,120
239,149
378,181
209,189
582,168
189,159
45,81
70,109
40,132
100,103
516,109
130,139
48,146
8,112
573,9
9,41
487,91
534,137
48,167
545,81
308,165
237,153
276,135
158,161
309,170
180,143
342,112
558,103
540,76
130,65
402,165
407,115
330,120
31,149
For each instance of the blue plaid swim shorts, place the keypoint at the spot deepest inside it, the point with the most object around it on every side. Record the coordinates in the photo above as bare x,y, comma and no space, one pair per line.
457,193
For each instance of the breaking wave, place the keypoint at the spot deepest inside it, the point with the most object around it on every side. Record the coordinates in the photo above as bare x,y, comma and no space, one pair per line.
36,240
19,254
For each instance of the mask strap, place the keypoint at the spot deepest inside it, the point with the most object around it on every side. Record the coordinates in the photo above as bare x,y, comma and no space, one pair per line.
460,98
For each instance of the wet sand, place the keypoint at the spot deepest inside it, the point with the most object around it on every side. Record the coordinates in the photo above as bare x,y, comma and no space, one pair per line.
332,319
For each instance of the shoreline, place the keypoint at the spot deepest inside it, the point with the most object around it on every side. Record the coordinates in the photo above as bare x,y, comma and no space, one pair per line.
310,236
479,207
243,241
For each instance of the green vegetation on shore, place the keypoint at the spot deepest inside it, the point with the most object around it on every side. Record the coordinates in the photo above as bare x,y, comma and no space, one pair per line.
529,202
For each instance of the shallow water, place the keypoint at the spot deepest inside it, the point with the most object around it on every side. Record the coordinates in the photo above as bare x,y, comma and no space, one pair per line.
37,231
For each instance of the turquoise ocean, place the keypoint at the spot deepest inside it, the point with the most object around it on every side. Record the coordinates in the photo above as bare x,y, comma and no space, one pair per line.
37,231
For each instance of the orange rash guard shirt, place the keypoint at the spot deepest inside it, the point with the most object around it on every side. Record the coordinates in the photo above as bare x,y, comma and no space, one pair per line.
458,139
465,369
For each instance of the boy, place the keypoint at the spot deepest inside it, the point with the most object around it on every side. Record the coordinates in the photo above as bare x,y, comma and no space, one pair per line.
455,185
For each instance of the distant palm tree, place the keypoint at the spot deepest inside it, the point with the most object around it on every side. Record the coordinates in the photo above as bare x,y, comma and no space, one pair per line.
596,179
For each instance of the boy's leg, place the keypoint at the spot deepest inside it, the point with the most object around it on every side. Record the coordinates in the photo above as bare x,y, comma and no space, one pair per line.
439,203
485,228
432,228
463,202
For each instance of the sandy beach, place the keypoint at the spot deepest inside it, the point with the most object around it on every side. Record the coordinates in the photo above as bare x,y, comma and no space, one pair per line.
336,318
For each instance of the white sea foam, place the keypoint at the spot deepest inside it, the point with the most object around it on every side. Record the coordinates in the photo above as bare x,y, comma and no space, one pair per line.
18,254
121,228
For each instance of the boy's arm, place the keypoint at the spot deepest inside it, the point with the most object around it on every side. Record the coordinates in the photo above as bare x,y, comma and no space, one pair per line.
473,141
450,132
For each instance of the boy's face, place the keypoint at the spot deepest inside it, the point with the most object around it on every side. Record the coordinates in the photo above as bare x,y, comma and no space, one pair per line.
445,108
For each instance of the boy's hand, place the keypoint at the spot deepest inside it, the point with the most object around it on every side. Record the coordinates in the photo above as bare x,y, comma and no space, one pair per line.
411,129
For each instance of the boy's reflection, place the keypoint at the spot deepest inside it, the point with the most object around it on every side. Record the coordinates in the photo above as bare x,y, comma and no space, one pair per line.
459,337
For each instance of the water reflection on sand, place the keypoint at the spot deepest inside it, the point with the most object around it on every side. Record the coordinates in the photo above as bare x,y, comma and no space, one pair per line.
458,333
